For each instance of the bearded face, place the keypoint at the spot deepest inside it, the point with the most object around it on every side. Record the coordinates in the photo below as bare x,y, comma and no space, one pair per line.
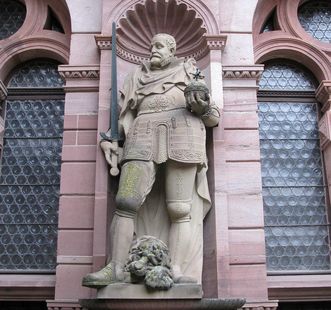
161,54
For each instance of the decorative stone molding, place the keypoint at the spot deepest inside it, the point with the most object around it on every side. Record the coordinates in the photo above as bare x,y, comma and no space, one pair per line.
79,72
242,72
162,303
294,49
3,91
103,42
268,305
64,305
208,43
323,95
260,308
215,42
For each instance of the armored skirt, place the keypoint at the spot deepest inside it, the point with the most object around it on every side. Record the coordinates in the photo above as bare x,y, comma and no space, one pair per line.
173,134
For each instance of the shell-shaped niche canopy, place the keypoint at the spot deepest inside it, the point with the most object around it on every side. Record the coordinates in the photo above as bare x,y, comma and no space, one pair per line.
138,25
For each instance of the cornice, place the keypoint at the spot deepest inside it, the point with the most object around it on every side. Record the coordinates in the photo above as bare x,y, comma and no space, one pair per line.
242,72
68,72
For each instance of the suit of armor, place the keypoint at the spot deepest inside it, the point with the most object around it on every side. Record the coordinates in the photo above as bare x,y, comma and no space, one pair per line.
164,129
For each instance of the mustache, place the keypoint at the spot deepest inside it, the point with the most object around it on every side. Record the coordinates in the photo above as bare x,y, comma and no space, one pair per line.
156,55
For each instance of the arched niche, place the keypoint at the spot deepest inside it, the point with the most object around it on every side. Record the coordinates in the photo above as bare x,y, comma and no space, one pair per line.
138,21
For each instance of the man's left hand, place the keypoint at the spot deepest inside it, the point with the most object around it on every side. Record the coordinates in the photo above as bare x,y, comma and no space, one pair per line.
196,104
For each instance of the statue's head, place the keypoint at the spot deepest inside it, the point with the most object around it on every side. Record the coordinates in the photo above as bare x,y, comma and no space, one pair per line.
163,48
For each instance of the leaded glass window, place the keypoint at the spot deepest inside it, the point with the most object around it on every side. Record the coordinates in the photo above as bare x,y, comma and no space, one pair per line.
12,16
315,18
286,76
294,189
30,169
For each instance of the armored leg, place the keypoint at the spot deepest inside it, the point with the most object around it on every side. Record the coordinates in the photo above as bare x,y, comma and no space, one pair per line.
180,182
136,181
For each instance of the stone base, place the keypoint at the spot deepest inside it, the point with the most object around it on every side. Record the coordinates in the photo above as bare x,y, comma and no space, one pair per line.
140,291
162,304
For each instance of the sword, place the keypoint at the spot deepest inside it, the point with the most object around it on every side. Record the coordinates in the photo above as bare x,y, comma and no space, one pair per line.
114,136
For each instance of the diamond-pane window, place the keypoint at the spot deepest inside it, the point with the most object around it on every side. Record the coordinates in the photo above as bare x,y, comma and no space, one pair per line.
315,18
12,16
30,172
294,189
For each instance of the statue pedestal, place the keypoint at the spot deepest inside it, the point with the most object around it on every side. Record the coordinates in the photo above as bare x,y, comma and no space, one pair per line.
140,291
162,304
120,296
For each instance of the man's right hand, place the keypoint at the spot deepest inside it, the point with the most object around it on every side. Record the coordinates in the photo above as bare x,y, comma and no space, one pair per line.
113,155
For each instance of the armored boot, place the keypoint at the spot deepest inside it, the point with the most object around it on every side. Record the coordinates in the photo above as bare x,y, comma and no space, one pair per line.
113,272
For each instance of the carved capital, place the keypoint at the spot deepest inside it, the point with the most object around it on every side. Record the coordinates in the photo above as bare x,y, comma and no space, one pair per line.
323,95
324,127
215,42
103,42
68,72
242,72
3,91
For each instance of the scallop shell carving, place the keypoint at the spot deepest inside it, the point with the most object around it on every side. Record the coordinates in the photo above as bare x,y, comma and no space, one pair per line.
137,27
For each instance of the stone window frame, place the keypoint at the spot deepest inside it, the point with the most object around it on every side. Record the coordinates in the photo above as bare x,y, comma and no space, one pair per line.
291,41
300,97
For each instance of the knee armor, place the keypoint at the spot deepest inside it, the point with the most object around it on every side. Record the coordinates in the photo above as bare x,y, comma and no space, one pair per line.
179,211
127,205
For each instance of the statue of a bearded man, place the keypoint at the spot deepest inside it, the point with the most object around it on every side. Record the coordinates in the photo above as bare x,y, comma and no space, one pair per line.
165,137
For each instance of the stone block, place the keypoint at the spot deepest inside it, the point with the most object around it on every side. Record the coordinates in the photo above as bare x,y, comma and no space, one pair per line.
75,242
245,210
79,153
76,212
247,246
69,282
87,137
77,178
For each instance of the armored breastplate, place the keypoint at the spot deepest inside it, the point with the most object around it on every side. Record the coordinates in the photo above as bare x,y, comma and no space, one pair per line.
154,103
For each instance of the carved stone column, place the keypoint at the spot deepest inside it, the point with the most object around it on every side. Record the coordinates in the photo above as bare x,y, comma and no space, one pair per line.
323,95
102,186
3,96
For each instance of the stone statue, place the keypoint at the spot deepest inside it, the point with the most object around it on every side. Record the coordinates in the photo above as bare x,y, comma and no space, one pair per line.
164,111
